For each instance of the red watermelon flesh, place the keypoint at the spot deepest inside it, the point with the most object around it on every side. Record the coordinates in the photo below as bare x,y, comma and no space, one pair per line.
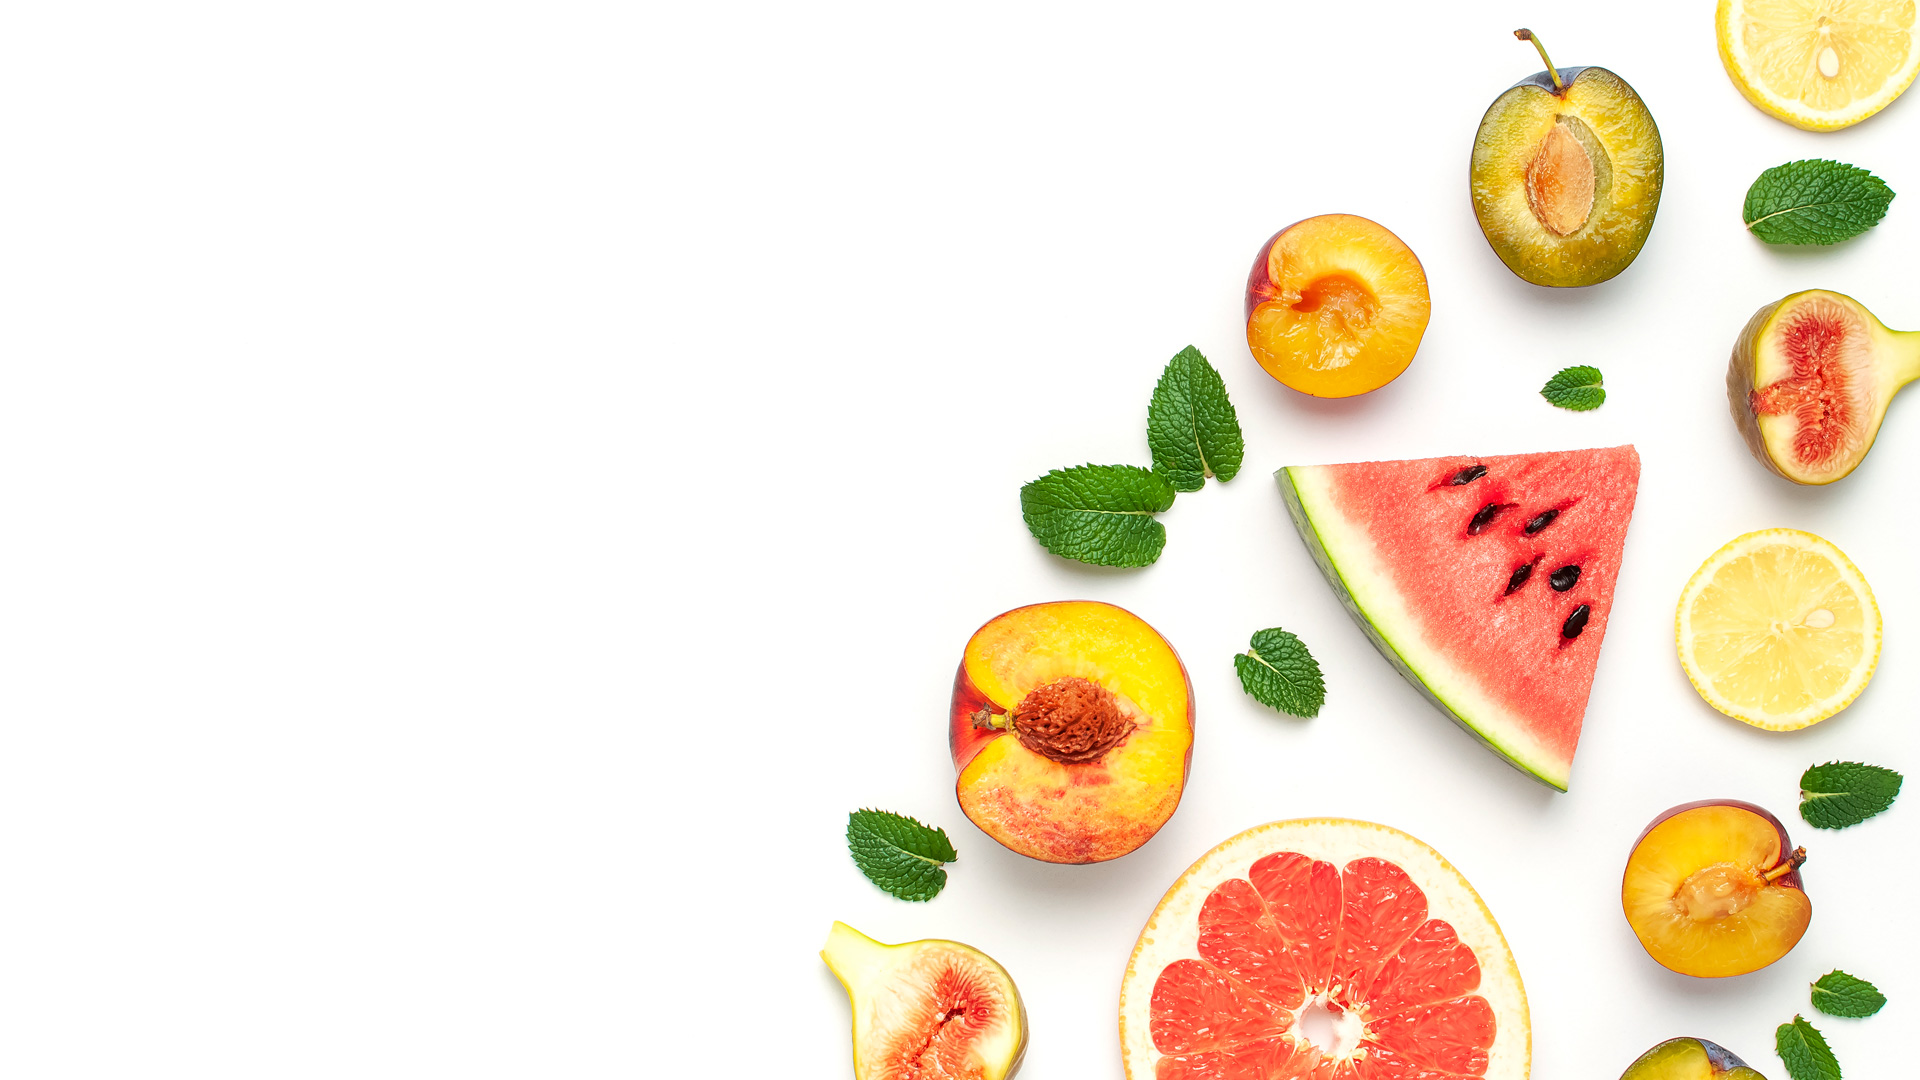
1470,574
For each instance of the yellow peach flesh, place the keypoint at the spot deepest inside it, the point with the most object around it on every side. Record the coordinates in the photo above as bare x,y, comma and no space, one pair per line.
1082,812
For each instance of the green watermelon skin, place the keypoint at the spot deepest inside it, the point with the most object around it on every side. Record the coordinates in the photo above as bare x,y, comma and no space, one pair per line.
1469,656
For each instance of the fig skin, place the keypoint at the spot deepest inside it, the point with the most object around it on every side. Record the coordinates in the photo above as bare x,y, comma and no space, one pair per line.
1740,389
1896,362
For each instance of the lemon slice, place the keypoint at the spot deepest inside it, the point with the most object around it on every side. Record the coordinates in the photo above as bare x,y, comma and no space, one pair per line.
1778,629
1819,64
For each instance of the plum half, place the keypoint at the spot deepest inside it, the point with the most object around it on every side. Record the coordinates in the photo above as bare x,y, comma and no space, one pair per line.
1336,305
1689,1059
1566,174
1713,889
1810,380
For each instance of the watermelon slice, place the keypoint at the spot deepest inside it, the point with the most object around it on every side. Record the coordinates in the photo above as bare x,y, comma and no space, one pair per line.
1486,580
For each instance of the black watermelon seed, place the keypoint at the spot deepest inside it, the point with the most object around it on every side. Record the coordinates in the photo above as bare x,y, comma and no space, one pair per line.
1575,623
1468,475
1542,521
1485,517
1564,578
1519,578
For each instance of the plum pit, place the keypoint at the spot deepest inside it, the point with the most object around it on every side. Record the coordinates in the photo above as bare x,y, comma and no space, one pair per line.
1352,302
1560,182
1717,891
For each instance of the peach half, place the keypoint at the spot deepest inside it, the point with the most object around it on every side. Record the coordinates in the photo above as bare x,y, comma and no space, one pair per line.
1071,730
1336,306
1713,889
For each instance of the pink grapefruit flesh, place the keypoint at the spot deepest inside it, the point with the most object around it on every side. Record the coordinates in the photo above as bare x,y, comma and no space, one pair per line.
1323,950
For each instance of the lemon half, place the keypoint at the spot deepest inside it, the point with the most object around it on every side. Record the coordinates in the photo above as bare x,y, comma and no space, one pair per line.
1778,629
1819,64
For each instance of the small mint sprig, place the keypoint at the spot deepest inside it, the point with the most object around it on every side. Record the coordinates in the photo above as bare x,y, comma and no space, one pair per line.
1575,388
1100,514
1279,672
1815,202
1806,1053
1839,994
905,858
1191,426
1843,793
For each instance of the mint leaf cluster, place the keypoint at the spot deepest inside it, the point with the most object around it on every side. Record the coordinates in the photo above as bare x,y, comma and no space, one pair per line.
1800,1044
1576,388
905,858
1839,994
1104,514
1279,672
1843,793
1815,202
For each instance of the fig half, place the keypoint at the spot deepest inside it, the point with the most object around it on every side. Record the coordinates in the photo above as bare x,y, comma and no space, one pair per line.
1810,380
927,1008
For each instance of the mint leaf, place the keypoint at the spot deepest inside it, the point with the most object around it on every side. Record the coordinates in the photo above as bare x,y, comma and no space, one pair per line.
1278,671
1843,793
1191,426
1100,514
1576,388
1799,1045
1815,202
1840,994
899,854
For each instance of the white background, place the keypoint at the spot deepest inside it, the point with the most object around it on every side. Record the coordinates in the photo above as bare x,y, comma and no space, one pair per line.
486,490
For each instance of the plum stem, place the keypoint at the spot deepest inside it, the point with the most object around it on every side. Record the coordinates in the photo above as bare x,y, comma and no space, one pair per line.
1791,863
1527,35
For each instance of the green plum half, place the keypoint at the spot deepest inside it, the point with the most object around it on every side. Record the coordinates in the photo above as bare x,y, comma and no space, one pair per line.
1566,176
1689,1059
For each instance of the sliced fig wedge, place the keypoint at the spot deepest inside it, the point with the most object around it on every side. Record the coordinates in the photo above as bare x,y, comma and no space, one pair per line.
927,1008
1810,380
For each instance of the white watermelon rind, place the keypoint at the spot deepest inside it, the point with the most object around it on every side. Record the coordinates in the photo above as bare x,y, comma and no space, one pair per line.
1364,586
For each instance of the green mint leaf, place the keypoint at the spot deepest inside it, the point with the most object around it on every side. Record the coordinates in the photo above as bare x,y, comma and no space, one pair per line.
899,854
1100,514
1191,426
1815,202
1799,1045
1576,388
1843,793
1840,994
1278,671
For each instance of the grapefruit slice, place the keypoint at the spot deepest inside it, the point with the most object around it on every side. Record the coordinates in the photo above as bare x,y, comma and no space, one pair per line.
1323,949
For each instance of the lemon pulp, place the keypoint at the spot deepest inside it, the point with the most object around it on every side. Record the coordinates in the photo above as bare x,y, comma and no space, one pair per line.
1778,629
1819,64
